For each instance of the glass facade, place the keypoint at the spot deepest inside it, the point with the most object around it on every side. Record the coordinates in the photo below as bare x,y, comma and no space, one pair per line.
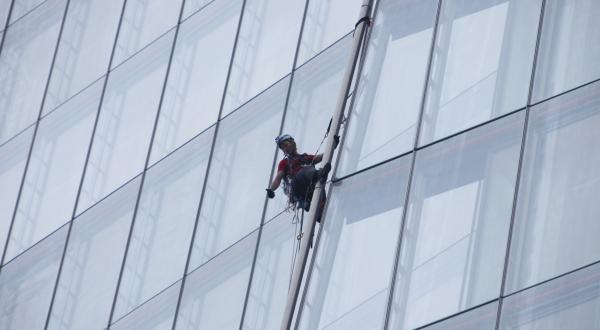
136,143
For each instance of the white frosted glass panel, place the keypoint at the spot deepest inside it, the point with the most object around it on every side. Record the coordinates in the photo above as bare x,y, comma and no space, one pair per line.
326,21
481,63
54,171
164,224
13,156
570,302
457,223
127,116
569,53
311,106
27,282
197,75
235,189
352,270
25,61
22,7
84,49
556,222
143,21
383,122
155,314
191,6
481,318
214,294
90,271
265,48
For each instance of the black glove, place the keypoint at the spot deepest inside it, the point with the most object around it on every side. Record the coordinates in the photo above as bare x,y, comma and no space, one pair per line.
270,193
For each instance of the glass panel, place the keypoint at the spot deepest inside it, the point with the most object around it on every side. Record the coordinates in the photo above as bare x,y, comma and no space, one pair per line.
265,48
84,49
27,282
556,221
455,236
25,61
197,77
92,263
13,157
142,22
570,302
569,52
213,297
159,245
22,7
383,122
191,6
155,314
235,190
124,128
54,170
4,9
352,271
481,318
481,63
315,89
326,21
272,274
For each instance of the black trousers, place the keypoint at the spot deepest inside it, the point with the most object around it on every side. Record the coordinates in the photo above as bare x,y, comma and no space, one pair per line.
303,186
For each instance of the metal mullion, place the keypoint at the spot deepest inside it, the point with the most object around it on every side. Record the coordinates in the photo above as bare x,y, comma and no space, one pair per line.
208,166
403,221
520,166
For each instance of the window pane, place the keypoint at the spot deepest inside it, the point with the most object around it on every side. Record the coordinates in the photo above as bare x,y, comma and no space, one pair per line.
312,102
265,48
143,21
191,6
454,241
55,169
481,318
326,21
197,76
27,282
383,122
22,7
92,262
13,156
155,314
481,64
124,128
25,62
556,221
235,190
569,302
213,297
4,9
84,48
357,245
569,53
164,224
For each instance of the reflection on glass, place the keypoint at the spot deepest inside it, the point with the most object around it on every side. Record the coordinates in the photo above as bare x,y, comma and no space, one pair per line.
569,52
456,231
481,63
22,7
90,271
352,271
569,302
265,48
481,318
164,224
84,49
197,75
54,170
556,221
382,123
214,294
27,282
326,21
127,116
311,106
155,314
191,6
235,189
25,61
142,22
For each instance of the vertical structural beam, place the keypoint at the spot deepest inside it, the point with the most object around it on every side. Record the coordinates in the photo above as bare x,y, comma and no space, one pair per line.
359,34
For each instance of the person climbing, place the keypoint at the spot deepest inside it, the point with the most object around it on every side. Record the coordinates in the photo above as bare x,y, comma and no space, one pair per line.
298,173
